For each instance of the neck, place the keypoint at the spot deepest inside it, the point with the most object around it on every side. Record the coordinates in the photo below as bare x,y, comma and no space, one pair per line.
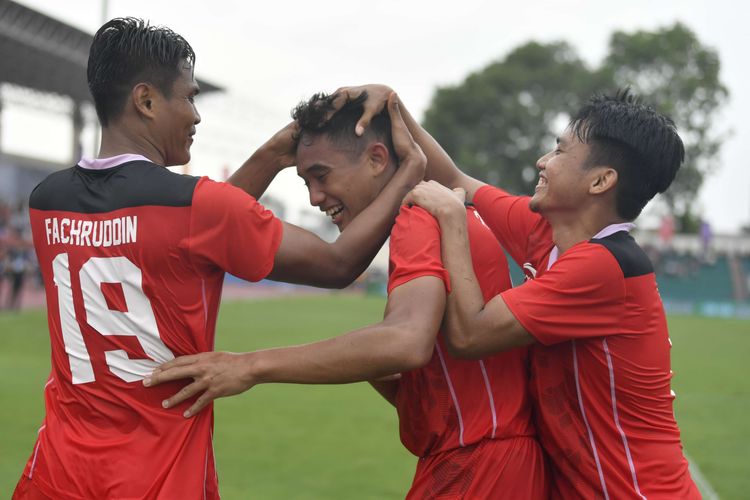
118,140
568,231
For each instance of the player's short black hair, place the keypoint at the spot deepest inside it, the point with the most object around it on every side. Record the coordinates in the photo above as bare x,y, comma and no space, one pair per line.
126,51
315,119
634,139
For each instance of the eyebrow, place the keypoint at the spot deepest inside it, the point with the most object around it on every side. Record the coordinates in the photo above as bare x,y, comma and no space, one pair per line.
315,168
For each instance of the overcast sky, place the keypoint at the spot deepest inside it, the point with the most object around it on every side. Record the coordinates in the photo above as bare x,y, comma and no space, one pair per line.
269,56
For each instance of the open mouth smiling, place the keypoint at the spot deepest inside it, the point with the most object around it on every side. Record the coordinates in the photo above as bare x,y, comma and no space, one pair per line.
335,212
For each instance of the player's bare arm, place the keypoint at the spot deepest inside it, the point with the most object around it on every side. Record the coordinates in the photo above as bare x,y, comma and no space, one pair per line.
472,328
403,341
266,162
304,258
440,166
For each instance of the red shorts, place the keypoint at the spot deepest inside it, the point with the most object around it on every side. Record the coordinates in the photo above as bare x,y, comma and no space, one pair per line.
27,490
491,469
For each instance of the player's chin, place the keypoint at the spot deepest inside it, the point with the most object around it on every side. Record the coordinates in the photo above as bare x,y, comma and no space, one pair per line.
535,204
184,158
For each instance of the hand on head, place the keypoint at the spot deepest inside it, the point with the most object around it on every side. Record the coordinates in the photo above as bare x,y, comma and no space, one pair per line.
283,145
407,150
377,99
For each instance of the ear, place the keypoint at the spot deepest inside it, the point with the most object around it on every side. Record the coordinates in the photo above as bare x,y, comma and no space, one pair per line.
144,96
604,179
378,157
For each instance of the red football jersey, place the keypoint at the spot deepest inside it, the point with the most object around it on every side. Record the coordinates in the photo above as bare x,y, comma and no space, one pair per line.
601,370
452,403
133,260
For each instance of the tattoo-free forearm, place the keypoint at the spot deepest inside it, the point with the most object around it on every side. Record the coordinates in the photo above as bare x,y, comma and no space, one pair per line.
465,302
256,174
365,354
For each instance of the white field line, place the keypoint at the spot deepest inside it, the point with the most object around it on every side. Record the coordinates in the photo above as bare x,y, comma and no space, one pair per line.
708,492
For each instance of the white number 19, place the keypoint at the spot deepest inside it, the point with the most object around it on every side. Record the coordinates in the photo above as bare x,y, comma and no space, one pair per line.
138,320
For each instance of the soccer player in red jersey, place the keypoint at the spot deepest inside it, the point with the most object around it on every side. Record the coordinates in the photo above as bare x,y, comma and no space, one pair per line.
468,421
600,362
133,258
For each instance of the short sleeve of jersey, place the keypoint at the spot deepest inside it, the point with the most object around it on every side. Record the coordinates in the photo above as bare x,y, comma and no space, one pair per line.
523,233
581,296
415,248
230,230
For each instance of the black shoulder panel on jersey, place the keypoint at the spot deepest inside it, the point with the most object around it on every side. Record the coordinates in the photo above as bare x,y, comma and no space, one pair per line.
131,184
631,257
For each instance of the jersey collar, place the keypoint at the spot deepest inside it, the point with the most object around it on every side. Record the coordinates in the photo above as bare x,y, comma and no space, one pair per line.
607,231
112,161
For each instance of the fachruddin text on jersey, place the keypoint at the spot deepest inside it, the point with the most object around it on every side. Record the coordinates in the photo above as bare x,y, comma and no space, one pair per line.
91,233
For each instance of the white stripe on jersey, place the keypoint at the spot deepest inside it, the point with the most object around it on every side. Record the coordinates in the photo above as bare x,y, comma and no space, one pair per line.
453,396
36,451
585,421
492,399
617,418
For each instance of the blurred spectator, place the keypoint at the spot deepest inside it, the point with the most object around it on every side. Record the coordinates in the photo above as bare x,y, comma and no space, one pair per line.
17,264
707,236
15,254
666,231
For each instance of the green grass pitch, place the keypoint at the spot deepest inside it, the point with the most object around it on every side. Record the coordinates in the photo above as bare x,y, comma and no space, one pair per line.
341,442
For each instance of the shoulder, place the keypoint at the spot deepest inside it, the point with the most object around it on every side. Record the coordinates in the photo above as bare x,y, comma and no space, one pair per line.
132,184
160,184
586,264
414,218
49,187
630,257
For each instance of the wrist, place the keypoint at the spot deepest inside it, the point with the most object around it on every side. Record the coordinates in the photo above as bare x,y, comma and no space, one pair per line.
414,170
451,213
266,157
255,369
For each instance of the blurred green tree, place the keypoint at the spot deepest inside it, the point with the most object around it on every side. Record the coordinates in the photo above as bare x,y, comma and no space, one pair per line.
672,70
502,118
496,123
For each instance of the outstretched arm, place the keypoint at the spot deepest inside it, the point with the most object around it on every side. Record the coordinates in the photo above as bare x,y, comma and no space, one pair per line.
272,157
473,329
440,166
404,340
304,258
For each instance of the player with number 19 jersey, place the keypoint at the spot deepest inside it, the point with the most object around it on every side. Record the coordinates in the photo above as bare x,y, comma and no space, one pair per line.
133,259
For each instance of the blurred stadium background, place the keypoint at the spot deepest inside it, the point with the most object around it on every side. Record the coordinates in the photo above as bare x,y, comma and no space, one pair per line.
321,442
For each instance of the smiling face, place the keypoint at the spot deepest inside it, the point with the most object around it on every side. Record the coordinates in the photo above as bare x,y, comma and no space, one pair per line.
177,117
341,182
563,177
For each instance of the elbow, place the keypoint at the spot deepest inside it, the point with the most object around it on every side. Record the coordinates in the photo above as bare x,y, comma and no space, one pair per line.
421,355
344,274
341,281
461,346
336,277
415,353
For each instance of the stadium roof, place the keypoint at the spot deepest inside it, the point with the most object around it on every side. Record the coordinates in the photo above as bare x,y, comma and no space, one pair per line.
42,53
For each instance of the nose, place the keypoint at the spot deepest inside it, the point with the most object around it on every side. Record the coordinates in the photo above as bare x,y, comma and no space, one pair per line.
317,197
197,118
541,163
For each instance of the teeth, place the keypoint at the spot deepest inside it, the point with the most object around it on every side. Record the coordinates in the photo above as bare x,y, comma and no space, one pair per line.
331,212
